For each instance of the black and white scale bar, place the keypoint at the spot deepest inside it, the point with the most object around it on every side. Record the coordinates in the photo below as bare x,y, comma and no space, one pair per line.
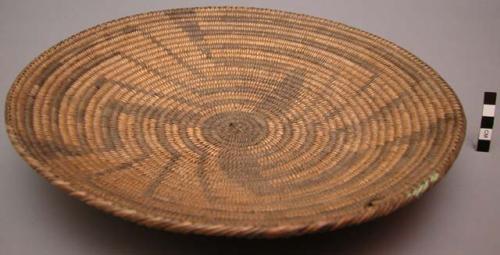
487,120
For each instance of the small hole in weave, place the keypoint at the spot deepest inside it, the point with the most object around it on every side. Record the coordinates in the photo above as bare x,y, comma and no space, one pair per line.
373,202
99,82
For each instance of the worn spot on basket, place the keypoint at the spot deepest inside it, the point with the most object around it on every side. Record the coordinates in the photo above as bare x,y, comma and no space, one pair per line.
424,185
129,29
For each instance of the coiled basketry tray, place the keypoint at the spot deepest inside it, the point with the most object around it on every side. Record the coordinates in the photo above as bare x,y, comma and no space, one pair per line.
235,121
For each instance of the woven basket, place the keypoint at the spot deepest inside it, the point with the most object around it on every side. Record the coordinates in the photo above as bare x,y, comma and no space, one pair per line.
235,121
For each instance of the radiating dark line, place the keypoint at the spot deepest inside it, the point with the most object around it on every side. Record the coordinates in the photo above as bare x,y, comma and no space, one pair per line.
194,32
201,173
120,167
153,186
283,94
179,60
